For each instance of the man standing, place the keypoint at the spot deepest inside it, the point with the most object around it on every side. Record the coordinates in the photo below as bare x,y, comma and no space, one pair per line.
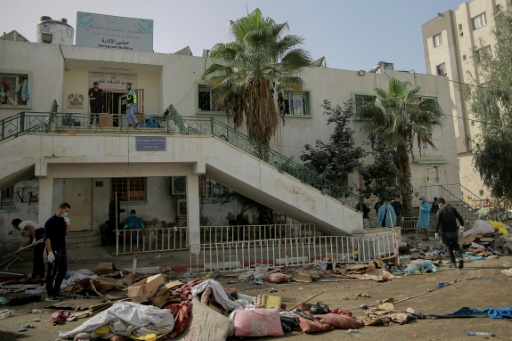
386,216
95,103
424,215
56,229
447,220
133,223
397,206
36,240
131,104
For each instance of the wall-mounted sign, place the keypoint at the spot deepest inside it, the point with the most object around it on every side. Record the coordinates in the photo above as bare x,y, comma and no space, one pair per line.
111,32
149,143
75,101
112,81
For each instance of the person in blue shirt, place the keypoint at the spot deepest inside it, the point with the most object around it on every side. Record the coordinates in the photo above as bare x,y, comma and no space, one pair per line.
424,215
386,216
133,223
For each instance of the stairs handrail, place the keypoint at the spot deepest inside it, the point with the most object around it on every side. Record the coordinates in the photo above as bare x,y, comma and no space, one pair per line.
206,126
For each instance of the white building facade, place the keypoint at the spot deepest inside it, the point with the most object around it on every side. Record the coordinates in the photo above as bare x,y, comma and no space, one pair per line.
65,73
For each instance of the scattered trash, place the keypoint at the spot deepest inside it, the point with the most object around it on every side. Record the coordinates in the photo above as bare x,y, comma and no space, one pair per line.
37,311
4,301
486,334
231,282
272,290
507,272
353,332
6,313
22,329
257,282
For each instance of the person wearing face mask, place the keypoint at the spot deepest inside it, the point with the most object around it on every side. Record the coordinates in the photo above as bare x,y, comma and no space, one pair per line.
56,229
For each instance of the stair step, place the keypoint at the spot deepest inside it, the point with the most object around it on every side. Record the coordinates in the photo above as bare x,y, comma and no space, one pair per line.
80,239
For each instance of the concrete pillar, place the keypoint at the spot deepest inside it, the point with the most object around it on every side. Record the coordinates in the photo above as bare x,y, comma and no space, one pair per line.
193,214
45,200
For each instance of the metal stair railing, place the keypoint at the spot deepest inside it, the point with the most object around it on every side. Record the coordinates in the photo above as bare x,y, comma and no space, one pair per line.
207,126
469,197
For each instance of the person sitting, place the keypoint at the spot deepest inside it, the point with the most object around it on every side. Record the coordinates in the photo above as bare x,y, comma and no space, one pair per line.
133,223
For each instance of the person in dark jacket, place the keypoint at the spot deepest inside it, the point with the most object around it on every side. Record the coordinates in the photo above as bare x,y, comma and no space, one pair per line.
446,220
397,206
95,103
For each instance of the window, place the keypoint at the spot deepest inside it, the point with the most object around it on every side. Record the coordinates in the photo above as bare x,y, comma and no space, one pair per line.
362,100
129,189
15,89
296,103
437,40
479,21
205,99
483,53
210,189
461,32
7,197
441,69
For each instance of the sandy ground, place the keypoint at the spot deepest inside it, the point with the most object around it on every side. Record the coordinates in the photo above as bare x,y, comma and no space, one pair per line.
479,285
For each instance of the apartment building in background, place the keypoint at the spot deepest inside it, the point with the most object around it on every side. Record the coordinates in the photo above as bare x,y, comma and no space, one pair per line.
454,42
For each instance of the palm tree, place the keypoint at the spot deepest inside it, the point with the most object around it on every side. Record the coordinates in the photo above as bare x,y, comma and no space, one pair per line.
399,118
246,73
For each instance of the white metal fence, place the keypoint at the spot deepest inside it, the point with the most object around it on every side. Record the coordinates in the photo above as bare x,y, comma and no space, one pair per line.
294,251
242,247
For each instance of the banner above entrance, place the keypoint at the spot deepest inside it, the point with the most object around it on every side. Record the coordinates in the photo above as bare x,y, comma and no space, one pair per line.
111,32
112,81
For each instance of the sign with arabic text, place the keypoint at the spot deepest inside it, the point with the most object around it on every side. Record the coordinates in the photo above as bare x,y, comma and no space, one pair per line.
112,32
112,81
149,143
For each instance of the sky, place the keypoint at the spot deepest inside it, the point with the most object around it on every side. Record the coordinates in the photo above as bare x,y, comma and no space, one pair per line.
351,34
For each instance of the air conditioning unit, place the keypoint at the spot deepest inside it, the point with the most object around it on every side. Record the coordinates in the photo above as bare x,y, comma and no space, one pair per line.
179,185
181,208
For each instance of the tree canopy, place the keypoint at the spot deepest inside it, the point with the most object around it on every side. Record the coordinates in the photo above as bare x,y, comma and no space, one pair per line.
402,119
260,62
490,101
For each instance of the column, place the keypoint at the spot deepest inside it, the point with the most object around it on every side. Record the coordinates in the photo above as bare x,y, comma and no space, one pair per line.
193,213
45,200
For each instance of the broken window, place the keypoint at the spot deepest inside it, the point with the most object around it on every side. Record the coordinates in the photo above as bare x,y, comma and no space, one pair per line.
479,21
7,197
206,100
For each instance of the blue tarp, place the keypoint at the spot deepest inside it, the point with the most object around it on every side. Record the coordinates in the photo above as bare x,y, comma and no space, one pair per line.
494,313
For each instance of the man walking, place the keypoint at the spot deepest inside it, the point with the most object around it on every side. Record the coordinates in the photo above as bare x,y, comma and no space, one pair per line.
56,229
131,104
95,103
36,240
446,219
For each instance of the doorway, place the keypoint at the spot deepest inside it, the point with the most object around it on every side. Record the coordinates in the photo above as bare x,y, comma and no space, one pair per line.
78,193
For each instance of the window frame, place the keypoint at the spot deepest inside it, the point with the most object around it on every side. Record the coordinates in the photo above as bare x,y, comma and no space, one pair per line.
438,41
480,52
198,87
441,67
18,74
306,94
359,94
126,188
10,201
212,192
479,21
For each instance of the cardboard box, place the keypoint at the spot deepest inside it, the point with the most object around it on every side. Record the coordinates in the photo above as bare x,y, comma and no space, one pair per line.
143,290
105,268
106,120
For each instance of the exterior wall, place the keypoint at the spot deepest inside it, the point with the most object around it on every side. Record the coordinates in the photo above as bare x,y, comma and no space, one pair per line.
173,79
459,42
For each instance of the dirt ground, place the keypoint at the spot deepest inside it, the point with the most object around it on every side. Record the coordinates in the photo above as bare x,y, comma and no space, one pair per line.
480,284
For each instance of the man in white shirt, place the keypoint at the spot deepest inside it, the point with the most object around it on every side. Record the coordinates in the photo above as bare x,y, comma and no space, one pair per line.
35,233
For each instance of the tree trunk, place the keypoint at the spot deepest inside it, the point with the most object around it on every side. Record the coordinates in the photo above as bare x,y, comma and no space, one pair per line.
404,180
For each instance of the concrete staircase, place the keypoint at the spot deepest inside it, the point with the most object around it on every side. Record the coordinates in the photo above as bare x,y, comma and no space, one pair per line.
82,239
468,213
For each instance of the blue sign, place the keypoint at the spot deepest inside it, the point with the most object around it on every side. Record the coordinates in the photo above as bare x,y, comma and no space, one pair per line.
149,143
